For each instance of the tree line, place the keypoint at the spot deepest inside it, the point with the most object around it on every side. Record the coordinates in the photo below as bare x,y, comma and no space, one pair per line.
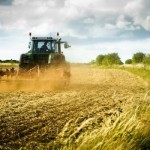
9,61
114,59
139,58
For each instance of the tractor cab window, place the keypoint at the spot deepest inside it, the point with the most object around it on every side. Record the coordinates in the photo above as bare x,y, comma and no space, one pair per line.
44,46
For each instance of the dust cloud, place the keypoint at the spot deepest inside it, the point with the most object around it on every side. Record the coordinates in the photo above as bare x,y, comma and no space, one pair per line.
47,81
83,77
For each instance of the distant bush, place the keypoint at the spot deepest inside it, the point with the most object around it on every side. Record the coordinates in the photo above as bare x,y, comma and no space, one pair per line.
9,61
99,59
138,57
146,60
108,59
128,61
111,59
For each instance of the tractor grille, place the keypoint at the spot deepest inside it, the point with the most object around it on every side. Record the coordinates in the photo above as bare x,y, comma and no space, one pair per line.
41,59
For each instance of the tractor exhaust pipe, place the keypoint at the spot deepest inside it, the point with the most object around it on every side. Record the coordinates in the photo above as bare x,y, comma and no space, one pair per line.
59,43
59,46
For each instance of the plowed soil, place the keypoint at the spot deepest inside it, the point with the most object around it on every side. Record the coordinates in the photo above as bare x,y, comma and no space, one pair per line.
41,118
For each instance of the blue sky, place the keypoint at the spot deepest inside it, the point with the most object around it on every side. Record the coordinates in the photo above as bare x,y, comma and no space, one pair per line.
92,27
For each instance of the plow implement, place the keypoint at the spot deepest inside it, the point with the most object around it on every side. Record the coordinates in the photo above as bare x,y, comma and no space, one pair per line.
36,79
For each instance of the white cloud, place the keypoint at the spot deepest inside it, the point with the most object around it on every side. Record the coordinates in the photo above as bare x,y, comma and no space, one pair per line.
88,21
61,13
139,11
18,2
106,20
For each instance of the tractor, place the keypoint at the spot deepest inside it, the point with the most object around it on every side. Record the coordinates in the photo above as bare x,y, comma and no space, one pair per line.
45,60
44,64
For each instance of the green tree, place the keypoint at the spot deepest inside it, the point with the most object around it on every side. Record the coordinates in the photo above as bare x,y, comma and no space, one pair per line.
138,57
146,60
99,59
111,59
128,61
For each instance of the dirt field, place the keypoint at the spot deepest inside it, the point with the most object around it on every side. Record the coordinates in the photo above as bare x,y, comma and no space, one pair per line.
34,119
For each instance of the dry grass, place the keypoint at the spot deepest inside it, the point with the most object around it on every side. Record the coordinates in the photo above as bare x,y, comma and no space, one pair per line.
92,111
130,130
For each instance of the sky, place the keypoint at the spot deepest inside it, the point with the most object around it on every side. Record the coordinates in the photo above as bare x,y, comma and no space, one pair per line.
91,27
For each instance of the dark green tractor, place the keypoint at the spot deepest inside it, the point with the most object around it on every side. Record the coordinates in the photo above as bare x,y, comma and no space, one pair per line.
44,59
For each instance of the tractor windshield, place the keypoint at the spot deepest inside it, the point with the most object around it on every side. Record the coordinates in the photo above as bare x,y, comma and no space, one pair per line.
44,46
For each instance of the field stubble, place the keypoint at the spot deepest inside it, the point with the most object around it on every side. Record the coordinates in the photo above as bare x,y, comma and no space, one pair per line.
53,118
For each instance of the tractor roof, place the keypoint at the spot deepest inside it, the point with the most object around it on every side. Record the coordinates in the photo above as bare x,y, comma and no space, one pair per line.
43,38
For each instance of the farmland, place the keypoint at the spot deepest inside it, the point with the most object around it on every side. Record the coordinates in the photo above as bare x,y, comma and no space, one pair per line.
57,118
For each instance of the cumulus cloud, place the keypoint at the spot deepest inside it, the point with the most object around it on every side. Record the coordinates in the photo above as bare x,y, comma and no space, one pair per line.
81,22
139,11
76,17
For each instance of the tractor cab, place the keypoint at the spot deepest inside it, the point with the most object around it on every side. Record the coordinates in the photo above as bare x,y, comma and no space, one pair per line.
43,45
44,51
